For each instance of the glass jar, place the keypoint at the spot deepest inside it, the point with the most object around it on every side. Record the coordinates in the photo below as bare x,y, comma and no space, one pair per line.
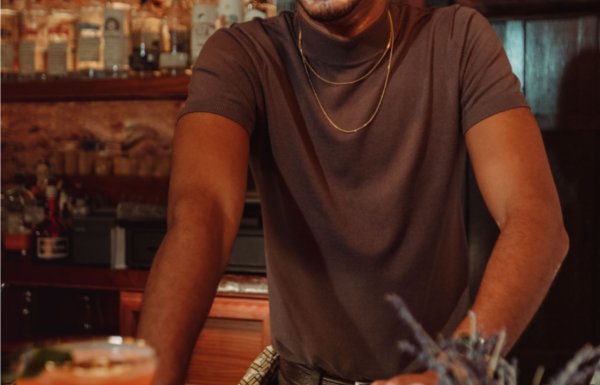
90,39
175,59
9,39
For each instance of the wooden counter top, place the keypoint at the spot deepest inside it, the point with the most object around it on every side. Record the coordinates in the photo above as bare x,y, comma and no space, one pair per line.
23,271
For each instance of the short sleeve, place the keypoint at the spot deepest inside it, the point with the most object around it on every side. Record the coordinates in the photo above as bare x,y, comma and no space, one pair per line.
224,80
488,84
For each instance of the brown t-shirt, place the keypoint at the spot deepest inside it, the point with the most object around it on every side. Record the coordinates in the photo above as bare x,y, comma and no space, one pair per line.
351,217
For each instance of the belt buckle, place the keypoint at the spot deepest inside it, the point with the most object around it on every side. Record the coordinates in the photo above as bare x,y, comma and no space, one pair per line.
361,383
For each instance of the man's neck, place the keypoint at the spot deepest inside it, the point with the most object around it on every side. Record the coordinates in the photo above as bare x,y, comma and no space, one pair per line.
361,18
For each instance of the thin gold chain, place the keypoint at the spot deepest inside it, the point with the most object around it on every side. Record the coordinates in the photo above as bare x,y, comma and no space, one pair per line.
342,83
385,83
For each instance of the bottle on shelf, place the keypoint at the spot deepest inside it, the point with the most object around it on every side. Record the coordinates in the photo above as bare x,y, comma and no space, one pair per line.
175,59
117,37
230,12
147,30
90,39
9,39
51,235
62,20
203,24
33,41
18,217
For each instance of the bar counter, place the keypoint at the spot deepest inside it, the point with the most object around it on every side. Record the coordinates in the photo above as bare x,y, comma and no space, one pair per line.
42,302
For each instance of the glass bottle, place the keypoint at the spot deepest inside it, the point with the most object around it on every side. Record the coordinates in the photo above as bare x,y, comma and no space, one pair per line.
9,38
203,24
90,39
147,28
18,208
33,41
175,59
230,12
51,235
117,37
61,38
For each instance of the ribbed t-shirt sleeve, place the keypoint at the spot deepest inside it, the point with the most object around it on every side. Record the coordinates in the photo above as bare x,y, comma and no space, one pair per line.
488,84
224,80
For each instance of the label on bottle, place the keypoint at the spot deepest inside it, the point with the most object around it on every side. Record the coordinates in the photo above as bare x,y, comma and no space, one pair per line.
173,60
27,57
57,58
115,52
7,56
114,21
88,49
204,17
50,248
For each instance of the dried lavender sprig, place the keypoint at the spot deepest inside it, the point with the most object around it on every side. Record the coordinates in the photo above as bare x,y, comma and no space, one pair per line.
576,370
426,342
491,369
429,349
452,366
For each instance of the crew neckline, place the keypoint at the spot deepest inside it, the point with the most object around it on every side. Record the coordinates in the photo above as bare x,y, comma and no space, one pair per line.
359,49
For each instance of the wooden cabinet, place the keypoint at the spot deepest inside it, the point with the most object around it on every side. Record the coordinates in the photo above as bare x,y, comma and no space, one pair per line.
35,313
236,331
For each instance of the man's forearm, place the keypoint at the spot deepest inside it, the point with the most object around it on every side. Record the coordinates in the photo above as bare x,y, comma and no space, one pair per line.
521,268
178,296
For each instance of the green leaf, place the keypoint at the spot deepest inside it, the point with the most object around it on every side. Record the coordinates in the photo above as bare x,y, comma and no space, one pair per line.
36,360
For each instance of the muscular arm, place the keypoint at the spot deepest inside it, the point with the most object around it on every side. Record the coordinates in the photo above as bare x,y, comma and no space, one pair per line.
513,175
206,198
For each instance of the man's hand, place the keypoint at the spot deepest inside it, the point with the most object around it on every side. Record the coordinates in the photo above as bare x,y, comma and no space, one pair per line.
426,378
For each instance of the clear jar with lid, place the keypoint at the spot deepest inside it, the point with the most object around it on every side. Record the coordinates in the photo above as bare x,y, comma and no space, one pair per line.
90,39
117,37
175,59
203,24
33,41
62,21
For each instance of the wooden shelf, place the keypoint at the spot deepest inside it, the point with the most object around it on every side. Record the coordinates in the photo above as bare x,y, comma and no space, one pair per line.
59,90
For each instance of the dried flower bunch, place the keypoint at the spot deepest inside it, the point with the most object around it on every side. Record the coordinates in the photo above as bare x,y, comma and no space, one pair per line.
475,361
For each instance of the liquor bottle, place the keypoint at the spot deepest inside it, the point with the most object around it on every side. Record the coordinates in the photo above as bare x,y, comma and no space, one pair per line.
90,39
18,206
147,28
61,38
9,38
51,235
33,41
117,37
230,12
175,59
203,24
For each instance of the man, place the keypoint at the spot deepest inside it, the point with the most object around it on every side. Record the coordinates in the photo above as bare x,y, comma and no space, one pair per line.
356,117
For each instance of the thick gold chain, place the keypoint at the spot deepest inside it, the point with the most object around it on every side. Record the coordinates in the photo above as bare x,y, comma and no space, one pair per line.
308,68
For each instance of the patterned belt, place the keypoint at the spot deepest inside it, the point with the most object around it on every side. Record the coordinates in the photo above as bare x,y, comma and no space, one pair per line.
300,375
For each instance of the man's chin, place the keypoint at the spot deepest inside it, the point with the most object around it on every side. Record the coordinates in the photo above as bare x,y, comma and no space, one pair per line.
326,11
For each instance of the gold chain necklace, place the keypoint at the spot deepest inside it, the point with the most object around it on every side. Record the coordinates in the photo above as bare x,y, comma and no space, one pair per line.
308,69
334,83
